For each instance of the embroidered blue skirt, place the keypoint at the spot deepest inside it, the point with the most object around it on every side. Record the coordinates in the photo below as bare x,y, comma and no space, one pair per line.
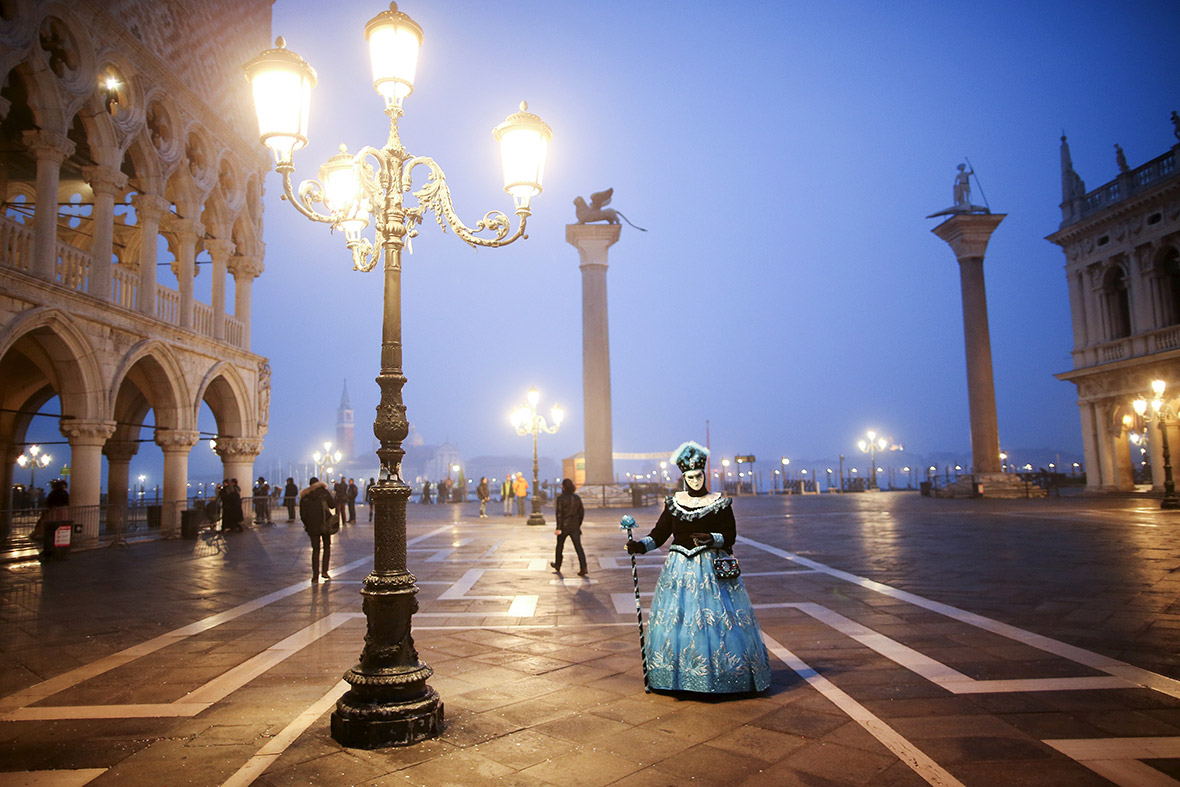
702,634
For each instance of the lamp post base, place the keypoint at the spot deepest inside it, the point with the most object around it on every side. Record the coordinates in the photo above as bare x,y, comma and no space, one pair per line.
1170,503
376,725
535,518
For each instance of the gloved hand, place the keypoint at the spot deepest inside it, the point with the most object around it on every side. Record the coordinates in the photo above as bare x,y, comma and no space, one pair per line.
636,548
701,539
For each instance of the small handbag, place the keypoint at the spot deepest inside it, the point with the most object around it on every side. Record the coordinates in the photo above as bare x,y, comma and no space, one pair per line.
726,567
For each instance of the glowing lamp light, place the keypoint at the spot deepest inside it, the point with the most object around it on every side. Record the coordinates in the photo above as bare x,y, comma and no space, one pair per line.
1140,405
1158,386
534,396
394,40
558,415
282,82
524,143
342,194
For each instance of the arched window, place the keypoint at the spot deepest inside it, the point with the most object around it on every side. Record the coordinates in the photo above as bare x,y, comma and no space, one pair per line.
1118,304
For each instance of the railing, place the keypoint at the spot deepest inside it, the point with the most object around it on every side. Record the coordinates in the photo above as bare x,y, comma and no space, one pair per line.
73,267
1166,339
16,244
235,331
203,319
124,284
1136,180
167,305
1113,351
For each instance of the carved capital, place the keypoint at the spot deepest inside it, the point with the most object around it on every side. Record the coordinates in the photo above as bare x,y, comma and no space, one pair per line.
188,230
176,440
120,450
235,449
105,180
219,249
48,145
86,432
150,207
245,267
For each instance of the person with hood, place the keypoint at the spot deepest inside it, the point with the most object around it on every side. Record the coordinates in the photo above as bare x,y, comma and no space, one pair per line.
702,634
569,525
317,510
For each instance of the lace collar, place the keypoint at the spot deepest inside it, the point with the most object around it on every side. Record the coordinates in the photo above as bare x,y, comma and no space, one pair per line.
688,508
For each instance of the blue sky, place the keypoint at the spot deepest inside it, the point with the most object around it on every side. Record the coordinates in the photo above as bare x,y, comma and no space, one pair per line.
783,157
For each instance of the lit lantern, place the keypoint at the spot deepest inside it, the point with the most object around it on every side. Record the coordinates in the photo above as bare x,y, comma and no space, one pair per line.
282,82
342,193
394,39
524,142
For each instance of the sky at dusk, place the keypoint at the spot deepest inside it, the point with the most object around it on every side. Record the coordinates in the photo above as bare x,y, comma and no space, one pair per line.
783,157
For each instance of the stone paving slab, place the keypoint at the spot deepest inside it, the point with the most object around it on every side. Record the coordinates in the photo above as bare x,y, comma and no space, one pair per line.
913,641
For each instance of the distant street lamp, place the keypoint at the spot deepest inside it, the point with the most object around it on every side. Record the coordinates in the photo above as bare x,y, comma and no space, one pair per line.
325,463
1003,461
389,701
527,420
32,460
870,447
1162,412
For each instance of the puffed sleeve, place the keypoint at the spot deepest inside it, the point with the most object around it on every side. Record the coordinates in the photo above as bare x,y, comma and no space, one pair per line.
727,527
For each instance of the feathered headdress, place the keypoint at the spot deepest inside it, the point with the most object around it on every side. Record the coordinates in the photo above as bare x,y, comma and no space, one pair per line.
690,456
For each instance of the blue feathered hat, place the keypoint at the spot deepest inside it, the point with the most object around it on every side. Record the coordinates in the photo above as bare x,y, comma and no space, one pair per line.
690,456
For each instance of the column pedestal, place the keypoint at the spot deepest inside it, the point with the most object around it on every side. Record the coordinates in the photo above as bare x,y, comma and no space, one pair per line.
592,242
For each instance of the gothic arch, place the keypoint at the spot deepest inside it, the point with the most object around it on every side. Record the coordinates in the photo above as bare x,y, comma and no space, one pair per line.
152,367
229,398
49,339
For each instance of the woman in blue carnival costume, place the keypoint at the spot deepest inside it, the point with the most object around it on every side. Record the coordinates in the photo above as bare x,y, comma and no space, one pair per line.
702,634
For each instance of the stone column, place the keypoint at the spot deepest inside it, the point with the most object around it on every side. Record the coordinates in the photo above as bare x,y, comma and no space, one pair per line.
244,270
188,232
149,209
1124,462
118,454
8,455
176,445
1090,442
592,242
968,235
237,461
219,251
1155,454
106,183
86,441
50,150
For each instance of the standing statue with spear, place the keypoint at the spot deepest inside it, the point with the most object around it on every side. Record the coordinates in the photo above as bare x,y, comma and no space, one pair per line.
702,635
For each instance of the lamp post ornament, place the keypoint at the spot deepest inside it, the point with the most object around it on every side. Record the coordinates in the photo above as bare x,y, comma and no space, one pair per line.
1162,410
527,420
389,702
870,447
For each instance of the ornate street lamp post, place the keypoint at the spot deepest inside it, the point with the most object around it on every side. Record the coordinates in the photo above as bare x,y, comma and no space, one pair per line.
389,702
325,463
528,421
1162,411
870,447
32,460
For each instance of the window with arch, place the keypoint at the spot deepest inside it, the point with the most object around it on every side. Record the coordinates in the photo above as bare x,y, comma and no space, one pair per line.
1118,303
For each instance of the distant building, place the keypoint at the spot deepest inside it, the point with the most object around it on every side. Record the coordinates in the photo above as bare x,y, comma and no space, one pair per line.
345,427
1122,262
131,163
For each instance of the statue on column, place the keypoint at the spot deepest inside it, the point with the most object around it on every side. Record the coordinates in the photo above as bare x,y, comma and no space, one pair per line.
597,210
962,196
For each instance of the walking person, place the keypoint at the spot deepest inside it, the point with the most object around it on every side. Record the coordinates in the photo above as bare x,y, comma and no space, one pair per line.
425,499
520,488
702,633
353,491
340,491
484,494
290,498
507,495
570,513
320,519
369,496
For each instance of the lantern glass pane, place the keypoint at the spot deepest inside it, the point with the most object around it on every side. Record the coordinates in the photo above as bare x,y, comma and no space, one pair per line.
282,99
522,153
393,51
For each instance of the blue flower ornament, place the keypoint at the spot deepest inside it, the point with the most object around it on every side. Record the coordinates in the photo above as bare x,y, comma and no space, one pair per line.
627,523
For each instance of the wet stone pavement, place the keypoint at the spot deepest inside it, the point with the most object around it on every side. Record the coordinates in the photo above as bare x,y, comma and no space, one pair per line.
913,641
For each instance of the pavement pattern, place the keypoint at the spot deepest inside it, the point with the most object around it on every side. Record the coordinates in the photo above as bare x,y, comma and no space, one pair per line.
913,641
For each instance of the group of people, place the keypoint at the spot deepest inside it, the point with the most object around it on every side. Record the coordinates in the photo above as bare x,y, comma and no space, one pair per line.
514,490
444,490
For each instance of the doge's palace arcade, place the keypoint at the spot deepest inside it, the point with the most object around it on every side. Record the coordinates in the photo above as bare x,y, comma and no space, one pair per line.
132,183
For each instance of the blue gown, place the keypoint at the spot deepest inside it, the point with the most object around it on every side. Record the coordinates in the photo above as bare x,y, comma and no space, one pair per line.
702,633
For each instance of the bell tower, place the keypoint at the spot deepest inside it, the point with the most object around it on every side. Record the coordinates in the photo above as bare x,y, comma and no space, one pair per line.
345,428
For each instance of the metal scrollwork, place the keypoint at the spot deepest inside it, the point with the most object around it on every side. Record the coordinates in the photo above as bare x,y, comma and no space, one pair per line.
435,196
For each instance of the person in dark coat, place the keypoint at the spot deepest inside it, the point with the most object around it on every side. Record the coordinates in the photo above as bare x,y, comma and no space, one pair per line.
231,507
341,493
353,491
317,511
484,494
290,498
569,525
425,499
